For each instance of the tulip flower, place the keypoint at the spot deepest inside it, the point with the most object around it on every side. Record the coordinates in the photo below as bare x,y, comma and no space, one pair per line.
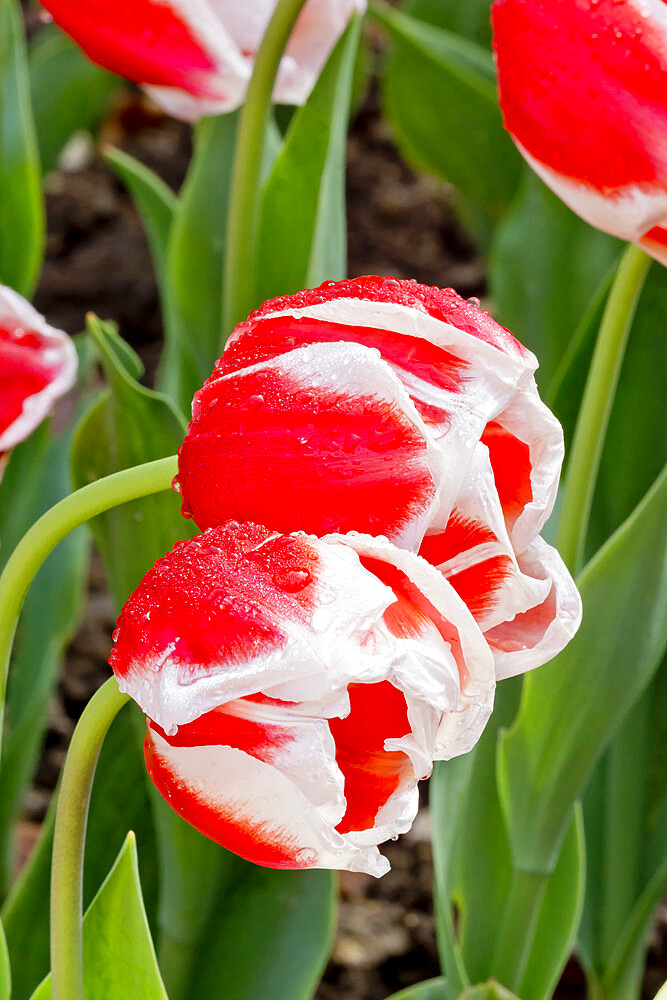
195,57
297,688
37,365
390,408
583,91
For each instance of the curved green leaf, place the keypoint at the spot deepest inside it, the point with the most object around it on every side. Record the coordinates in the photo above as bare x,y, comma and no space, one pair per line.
21,206
433,989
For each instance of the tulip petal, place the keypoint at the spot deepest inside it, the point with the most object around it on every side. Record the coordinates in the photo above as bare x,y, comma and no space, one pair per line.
321,439
654,242
537,635
37,365
577,78
240,610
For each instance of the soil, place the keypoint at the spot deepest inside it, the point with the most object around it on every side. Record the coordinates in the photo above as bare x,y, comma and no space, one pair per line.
98,259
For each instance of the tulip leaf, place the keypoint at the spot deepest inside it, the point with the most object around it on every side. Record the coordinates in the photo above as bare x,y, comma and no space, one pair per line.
5,970
118,956
21,206
432,989
544,266
119,802
156,203
439,95
269,936
626,817
469,18
571,708
36,478
127,426
69,93
488,991
194,262
302,230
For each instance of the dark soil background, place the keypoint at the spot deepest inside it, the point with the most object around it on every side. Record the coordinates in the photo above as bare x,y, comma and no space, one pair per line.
98,259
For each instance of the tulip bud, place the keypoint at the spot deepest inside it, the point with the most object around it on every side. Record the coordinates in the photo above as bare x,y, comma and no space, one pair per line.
195,57
37,365
297,688
583,91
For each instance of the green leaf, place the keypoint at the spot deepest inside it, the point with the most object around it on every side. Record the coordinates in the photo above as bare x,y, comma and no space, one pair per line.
439,95
302,230
194,262
127,426
156,203
36,478
5,971
487,991
119,802
432,989
626,833
544,268
571,708
21,206
118,956
269,936
470,18
559,916
69,93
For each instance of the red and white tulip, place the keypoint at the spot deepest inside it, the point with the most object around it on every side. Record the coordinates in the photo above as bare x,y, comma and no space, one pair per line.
390,408
37,365
195,57
297,688
583,91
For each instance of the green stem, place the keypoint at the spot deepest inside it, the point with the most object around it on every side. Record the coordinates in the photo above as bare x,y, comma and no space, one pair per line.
596,406
518,927
69,841
53,526
244,198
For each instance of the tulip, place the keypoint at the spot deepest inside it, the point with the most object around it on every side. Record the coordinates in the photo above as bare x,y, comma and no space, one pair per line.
297,688
390,408
195,57
583,91
37,365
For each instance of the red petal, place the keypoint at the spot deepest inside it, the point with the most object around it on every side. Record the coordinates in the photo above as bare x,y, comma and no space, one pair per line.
442,303
510,461
143,40
24,370
263,339
267,446
372,774
582,87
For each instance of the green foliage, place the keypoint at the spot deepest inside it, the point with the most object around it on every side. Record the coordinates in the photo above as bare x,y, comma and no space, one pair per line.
21,205
69,93
128,425
469,18
118,956
432,989
572,707
302,228
119,803
440,97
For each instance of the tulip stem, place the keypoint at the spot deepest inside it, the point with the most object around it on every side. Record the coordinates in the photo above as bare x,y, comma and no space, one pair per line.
56,524
239,278
69,841
596,406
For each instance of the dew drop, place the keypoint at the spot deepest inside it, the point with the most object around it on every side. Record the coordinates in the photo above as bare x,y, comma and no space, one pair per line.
292,580
115,634
176,484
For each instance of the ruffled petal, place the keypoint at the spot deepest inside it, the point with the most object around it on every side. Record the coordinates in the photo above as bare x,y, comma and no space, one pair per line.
323,438
240,610
37,365
537,635
654,242
554,61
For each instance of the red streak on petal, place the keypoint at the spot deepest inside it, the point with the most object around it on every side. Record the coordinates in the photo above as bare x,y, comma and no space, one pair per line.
258,842
23,371
261,446
478,585
526,629
142,40
265,338
582,87
658,234
221,727
218,599
372,774
442,303
510,461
